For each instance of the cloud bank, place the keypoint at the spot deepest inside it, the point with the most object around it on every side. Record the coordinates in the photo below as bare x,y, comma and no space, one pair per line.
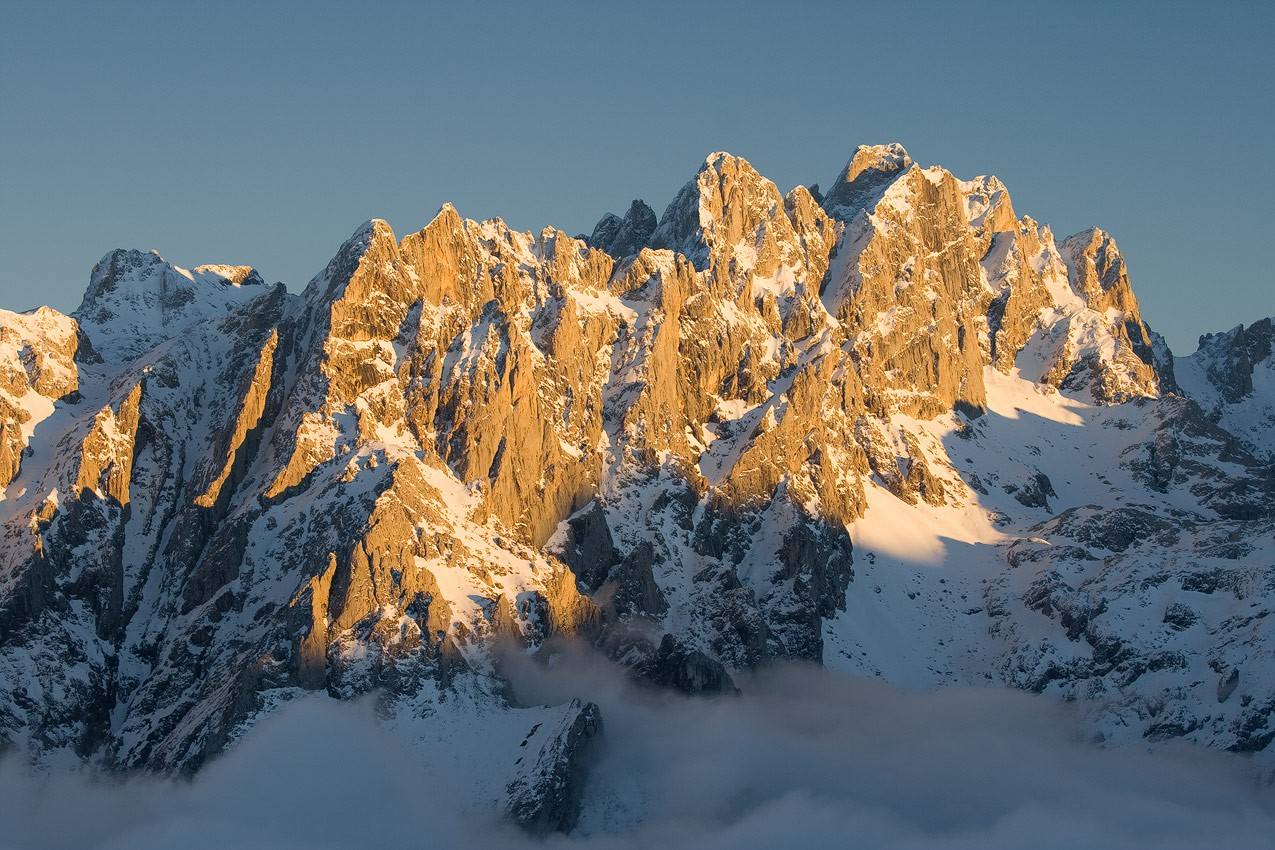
805,758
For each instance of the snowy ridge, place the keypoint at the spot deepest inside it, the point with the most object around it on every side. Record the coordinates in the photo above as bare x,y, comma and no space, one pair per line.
136,300
1232,377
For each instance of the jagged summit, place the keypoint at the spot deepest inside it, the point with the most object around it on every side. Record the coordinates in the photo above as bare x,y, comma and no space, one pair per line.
1231,375
867,172
688,222
1099,268
623,237
904,433
138,269
137,299
881,159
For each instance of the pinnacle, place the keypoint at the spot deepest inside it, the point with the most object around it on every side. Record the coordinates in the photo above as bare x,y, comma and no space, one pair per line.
888,158
865,176
621,237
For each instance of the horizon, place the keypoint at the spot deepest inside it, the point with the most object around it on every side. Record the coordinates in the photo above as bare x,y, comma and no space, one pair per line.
262,136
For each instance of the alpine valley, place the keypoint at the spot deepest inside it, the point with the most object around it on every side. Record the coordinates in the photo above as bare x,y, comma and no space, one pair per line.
894,428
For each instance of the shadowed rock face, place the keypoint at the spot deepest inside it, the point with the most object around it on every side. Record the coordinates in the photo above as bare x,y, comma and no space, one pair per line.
544,795
1235,356
687,670
1230,376
661,439
624,237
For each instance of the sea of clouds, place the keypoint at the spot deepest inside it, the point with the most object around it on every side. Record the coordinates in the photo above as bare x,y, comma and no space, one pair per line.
804,758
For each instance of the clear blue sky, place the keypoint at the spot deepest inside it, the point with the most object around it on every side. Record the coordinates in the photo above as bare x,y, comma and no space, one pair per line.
265,132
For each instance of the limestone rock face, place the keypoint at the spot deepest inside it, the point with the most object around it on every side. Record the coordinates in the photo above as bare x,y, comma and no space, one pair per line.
869,171
908,291
106,454
1127,368
1098,271
759,427
1022,266
37,368
448,340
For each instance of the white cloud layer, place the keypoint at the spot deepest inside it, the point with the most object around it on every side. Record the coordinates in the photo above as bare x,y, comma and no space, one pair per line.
805,758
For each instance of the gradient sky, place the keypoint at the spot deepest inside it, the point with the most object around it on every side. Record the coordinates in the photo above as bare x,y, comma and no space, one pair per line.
265,132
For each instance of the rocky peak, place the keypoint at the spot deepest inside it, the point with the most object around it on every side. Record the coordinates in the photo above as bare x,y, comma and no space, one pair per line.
734,224
137,299
1232,377
707,214
234,275
907,288
1110,353
1230,357
883,159
37,368
870,169
326,285
988,207
623,237
1098,272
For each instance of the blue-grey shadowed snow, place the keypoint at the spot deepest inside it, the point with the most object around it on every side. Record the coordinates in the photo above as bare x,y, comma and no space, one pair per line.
263,133
805,758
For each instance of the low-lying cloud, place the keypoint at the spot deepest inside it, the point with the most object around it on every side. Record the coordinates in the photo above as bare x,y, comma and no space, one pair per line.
805,758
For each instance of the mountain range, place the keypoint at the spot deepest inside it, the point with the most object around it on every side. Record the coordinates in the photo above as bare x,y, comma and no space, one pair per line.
895,429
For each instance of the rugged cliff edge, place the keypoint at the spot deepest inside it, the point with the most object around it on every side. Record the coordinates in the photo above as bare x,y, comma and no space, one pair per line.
899,430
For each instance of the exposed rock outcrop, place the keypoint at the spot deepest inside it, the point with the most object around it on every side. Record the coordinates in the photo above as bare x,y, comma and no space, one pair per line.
549,775
37,369
624,237
1230,376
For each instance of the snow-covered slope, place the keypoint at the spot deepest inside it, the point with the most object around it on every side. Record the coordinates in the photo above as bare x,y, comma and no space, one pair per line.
1099,553
136,300
899,430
